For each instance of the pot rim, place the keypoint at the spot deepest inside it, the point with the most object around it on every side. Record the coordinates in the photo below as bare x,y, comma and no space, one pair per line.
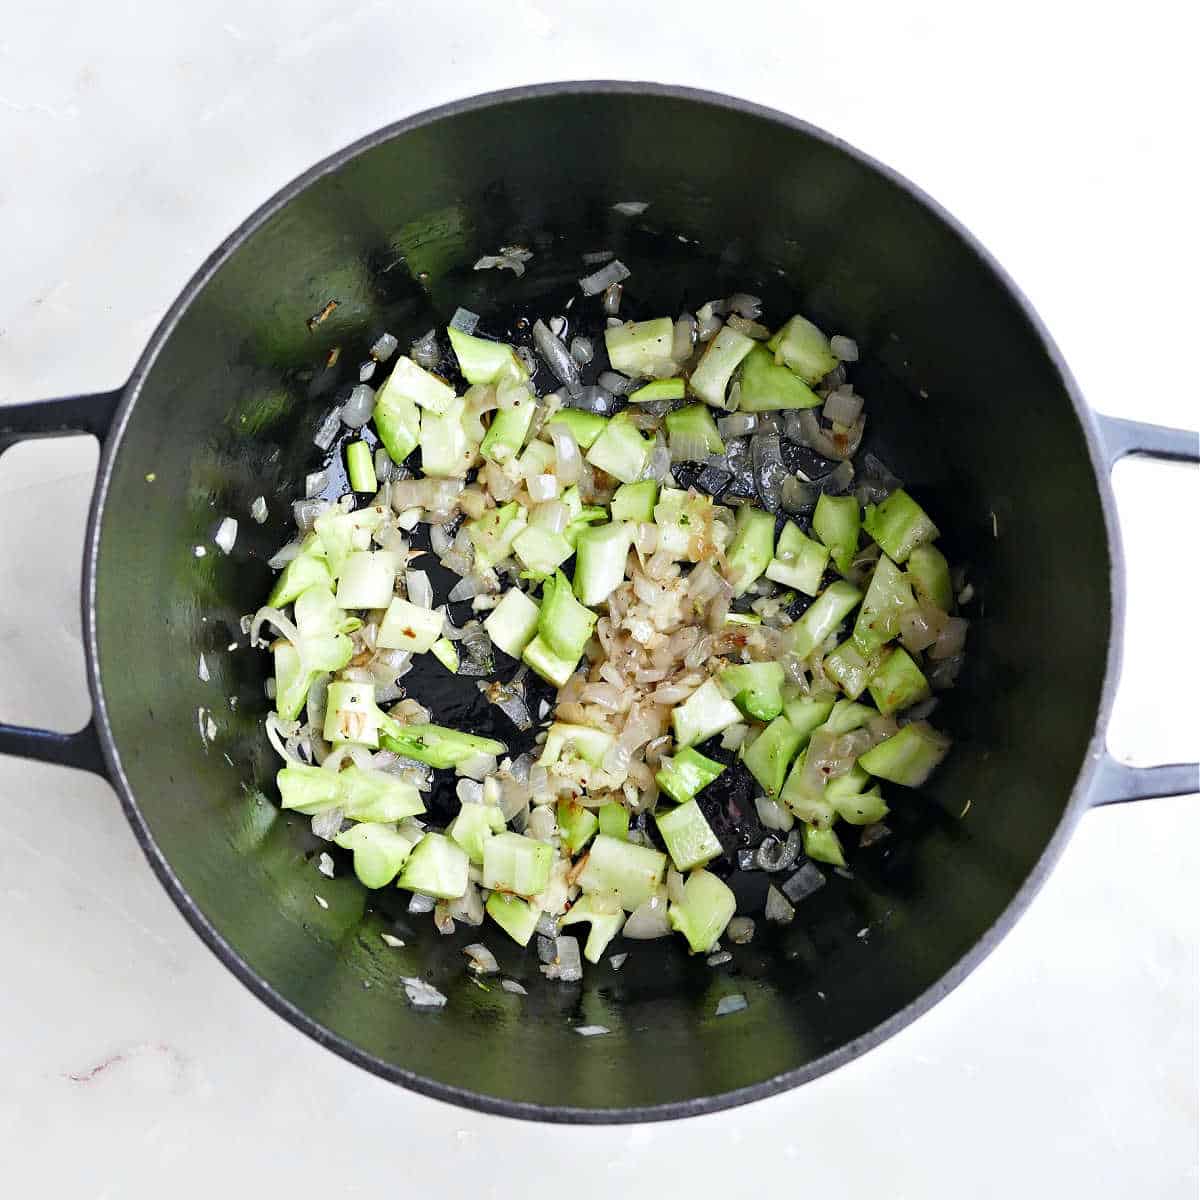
1078,801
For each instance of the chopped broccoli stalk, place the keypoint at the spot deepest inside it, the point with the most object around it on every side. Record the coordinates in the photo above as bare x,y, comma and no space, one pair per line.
614,820
446,450
407,626
379,852
930,574
805,349
341,533
771,753
516,864
446,653
307,569
397,418
494,533
899,524
660,389
367,580
688,837
862,808
635,501
888,598
805,797
508,430
435,744
703,912
518,918
851,668
542,660
633,872
323,647
846,716
710,379
840,787
563,623
422,387
620,450
687,525
756,688
704,713
585,427
309,790
767,387
823,845
799,562
482,361
371,795
687,774
601,551
752,547
836,522
576,825
695,421
589,514
907,757
512,623
606,921
823,616
360,467
580,741
351,714
806,713
473,826
436,867
640,348
898,682
540,551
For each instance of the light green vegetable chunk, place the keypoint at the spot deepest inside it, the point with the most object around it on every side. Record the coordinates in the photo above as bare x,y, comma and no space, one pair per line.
771,754
710,379
908,757
767,387
799,562
576,825
836,522
614,820
641,348
703,714
635,501
930,575
694,422
704,911
899,524
851,668
756,688
620,450
898,683
752,547
823,616
513,622
823,845
805,349
660,389
517,864
435,744
473,826
518,918
483,361
379,852
606,920
689,838
888,598
632,872
436,867
585,427
686,774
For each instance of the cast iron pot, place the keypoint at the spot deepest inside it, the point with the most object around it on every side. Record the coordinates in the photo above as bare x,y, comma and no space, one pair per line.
969,401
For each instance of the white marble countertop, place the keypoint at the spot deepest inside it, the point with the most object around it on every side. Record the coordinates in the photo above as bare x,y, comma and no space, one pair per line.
132,138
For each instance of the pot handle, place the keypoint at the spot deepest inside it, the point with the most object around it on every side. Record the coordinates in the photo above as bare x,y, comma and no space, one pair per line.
1115,781
57,418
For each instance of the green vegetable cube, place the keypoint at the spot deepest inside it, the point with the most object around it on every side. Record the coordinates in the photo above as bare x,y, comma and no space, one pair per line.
513,622
614,820
930,574
771,753
517,864
518,918
633,872
898,682
756,688
850,668
823,616
576,825
836,522
379,852
899,524
620,450
635,501
907,757
473,826
687,774
823,845
606,920
799,562
688,836
805,349
436,867
767,387
640,348
704,911
703,714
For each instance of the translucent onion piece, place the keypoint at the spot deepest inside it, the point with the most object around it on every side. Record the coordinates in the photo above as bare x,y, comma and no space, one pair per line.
359,406
598,281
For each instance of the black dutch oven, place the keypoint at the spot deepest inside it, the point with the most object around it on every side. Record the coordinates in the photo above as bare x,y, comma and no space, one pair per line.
958,371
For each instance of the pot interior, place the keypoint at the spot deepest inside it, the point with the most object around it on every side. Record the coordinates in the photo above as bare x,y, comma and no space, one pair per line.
963,402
